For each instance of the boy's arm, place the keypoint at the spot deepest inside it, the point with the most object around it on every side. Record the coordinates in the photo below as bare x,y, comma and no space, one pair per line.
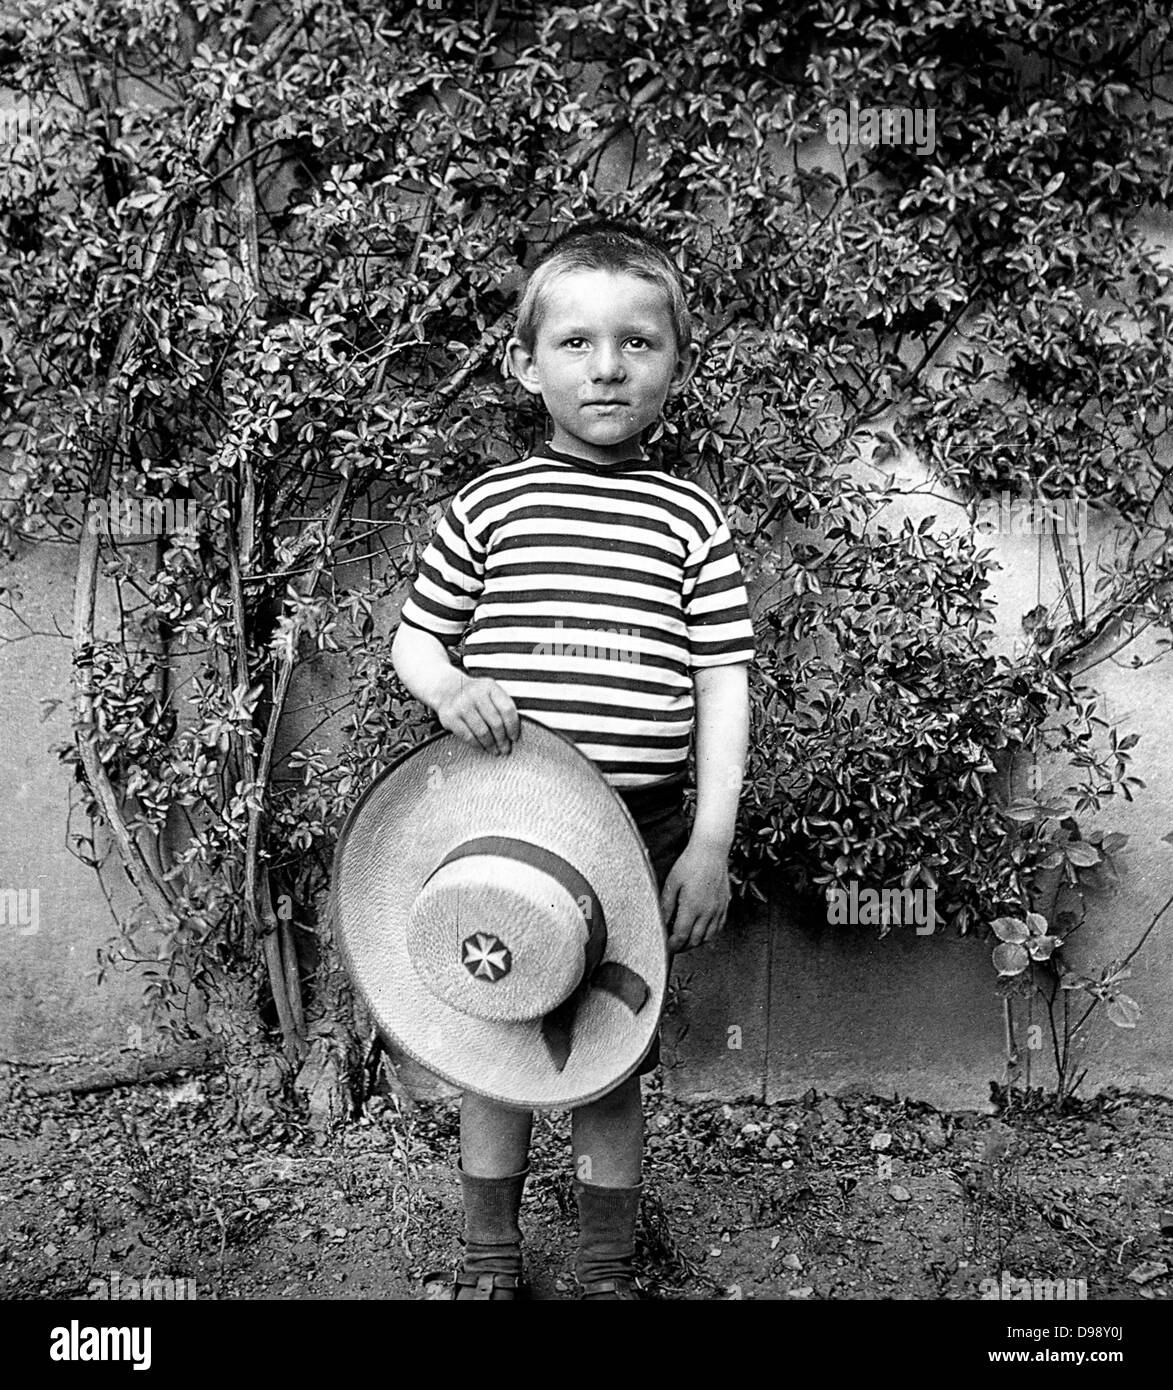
477,710
697,887
722,739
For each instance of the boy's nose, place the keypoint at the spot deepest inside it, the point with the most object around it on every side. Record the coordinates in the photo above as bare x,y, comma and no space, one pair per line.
607,363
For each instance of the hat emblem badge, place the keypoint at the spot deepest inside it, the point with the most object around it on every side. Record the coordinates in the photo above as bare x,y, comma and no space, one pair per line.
486,957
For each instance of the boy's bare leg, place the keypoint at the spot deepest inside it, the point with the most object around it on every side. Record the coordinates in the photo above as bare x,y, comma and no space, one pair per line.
494,1140
608,1141
607,1137
494,1148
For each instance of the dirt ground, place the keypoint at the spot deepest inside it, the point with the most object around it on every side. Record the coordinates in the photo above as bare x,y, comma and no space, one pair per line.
851,1197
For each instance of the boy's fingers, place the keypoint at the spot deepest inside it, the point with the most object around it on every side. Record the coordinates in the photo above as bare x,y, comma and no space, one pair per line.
668,896
507,710
696,931
705,929
498,741
680,937
680,941
478,731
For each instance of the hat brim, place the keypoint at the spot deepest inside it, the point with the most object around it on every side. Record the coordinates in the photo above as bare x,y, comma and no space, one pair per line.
441,794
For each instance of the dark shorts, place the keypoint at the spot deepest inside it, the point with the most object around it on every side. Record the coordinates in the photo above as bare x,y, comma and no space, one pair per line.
659,814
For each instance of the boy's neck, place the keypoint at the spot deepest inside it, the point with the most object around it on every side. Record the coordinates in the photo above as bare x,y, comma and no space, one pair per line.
621,463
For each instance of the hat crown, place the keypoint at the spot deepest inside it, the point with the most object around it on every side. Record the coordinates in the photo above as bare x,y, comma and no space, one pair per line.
497,938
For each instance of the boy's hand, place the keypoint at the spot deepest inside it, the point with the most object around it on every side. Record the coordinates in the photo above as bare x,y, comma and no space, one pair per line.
480,711
697,890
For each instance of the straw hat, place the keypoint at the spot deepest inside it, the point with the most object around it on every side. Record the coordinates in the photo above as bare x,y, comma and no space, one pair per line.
501,917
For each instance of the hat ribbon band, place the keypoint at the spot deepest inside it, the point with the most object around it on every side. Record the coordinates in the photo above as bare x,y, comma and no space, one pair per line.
612,976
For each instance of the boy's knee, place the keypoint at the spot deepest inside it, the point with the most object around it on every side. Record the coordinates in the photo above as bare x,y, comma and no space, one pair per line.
617,1101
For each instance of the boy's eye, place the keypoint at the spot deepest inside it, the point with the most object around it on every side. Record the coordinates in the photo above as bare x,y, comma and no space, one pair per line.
574,342
637,342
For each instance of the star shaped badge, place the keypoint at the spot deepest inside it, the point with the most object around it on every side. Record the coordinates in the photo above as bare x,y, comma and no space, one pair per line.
486,957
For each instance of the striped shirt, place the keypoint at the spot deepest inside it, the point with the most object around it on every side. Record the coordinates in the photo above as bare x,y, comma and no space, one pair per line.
590,595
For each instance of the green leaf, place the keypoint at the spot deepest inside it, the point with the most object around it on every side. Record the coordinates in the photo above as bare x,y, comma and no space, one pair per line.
1010,959
1010,929
1123,1011
1081,854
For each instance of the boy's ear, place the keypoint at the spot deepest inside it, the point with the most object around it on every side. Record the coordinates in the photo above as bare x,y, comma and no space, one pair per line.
522,365
686,364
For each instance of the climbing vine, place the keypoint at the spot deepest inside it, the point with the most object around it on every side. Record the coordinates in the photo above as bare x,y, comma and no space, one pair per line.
260,263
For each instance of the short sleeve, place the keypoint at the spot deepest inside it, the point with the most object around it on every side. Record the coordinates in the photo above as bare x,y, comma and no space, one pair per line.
716,607
450,579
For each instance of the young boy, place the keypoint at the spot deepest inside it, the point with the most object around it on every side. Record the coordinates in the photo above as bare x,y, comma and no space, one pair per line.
603,598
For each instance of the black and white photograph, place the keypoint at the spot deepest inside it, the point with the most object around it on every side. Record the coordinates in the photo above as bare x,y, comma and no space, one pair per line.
586,607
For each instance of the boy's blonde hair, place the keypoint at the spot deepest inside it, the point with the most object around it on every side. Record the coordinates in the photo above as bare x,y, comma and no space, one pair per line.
620,247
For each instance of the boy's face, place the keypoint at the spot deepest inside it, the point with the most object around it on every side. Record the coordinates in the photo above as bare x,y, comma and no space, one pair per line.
605,360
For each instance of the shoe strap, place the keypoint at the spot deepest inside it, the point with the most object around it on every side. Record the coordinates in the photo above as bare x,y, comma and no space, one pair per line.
622,1287
484,1283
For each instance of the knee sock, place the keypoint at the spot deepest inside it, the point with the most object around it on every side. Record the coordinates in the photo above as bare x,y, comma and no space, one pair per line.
606,1242
491,1234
